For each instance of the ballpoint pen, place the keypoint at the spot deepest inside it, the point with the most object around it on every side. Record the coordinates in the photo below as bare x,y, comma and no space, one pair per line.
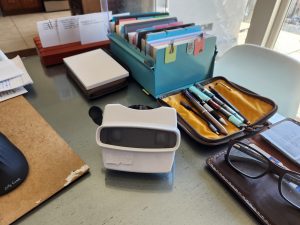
222,102
204,112
231,117
210,125
228,105
211,111
217,95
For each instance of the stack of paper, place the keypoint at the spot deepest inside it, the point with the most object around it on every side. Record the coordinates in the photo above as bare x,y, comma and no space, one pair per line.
13,77
95,68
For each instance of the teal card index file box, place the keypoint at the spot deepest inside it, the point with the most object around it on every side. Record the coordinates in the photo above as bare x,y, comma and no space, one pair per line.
158,77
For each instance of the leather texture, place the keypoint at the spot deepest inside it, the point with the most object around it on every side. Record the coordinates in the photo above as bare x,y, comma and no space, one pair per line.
261,195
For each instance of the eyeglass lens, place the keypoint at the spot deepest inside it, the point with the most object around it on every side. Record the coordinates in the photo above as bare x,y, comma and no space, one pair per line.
252,164
247,161
290,188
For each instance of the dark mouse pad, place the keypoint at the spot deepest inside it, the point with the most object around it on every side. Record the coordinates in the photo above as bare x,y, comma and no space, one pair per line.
52,163
260,195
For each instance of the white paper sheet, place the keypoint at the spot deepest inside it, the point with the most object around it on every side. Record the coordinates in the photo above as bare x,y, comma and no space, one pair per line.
11,83
18,81
12,93
68,29
25,76
48,33
93,27
2,56
8,70
285,136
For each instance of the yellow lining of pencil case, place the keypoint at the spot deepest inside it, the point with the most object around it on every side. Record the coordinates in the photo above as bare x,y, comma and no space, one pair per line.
251,107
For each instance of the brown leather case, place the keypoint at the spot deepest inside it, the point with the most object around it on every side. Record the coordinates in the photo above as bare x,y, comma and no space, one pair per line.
256,108
54,55
260,195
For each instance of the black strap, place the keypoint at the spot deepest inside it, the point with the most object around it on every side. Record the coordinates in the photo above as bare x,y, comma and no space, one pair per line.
96,114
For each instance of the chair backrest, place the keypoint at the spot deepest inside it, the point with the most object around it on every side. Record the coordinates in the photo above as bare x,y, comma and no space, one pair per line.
266,72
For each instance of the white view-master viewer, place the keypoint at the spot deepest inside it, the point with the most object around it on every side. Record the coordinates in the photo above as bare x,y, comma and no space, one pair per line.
134,140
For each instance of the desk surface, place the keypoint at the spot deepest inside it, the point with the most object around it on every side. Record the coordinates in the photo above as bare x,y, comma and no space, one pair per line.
187,195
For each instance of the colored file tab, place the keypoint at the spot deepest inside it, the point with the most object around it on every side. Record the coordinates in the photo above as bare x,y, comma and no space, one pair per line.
170,54
151,50
170,35
190,48
199,45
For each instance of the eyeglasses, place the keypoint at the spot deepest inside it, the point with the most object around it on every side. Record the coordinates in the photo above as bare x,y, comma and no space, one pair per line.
252,163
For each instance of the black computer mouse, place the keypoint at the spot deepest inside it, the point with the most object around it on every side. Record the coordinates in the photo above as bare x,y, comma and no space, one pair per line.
13,166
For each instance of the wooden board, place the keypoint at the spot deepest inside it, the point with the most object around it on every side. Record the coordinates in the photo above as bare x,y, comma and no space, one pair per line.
52,163
55,54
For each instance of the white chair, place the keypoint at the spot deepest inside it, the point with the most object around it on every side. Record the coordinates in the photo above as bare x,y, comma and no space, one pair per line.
265,72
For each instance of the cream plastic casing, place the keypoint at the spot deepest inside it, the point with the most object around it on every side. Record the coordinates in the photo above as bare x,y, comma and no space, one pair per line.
143,160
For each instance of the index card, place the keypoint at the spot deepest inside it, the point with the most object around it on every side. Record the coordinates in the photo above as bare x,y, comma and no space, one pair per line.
93,27
48,33
68,29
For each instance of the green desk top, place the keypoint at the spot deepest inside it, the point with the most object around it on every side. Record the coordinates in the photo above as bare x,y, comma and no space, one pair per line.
187,195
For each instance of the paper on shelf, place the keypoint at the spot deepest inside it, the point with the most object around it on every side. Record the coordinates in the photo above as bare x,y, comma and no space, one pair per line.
48,33
93,27
68,29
